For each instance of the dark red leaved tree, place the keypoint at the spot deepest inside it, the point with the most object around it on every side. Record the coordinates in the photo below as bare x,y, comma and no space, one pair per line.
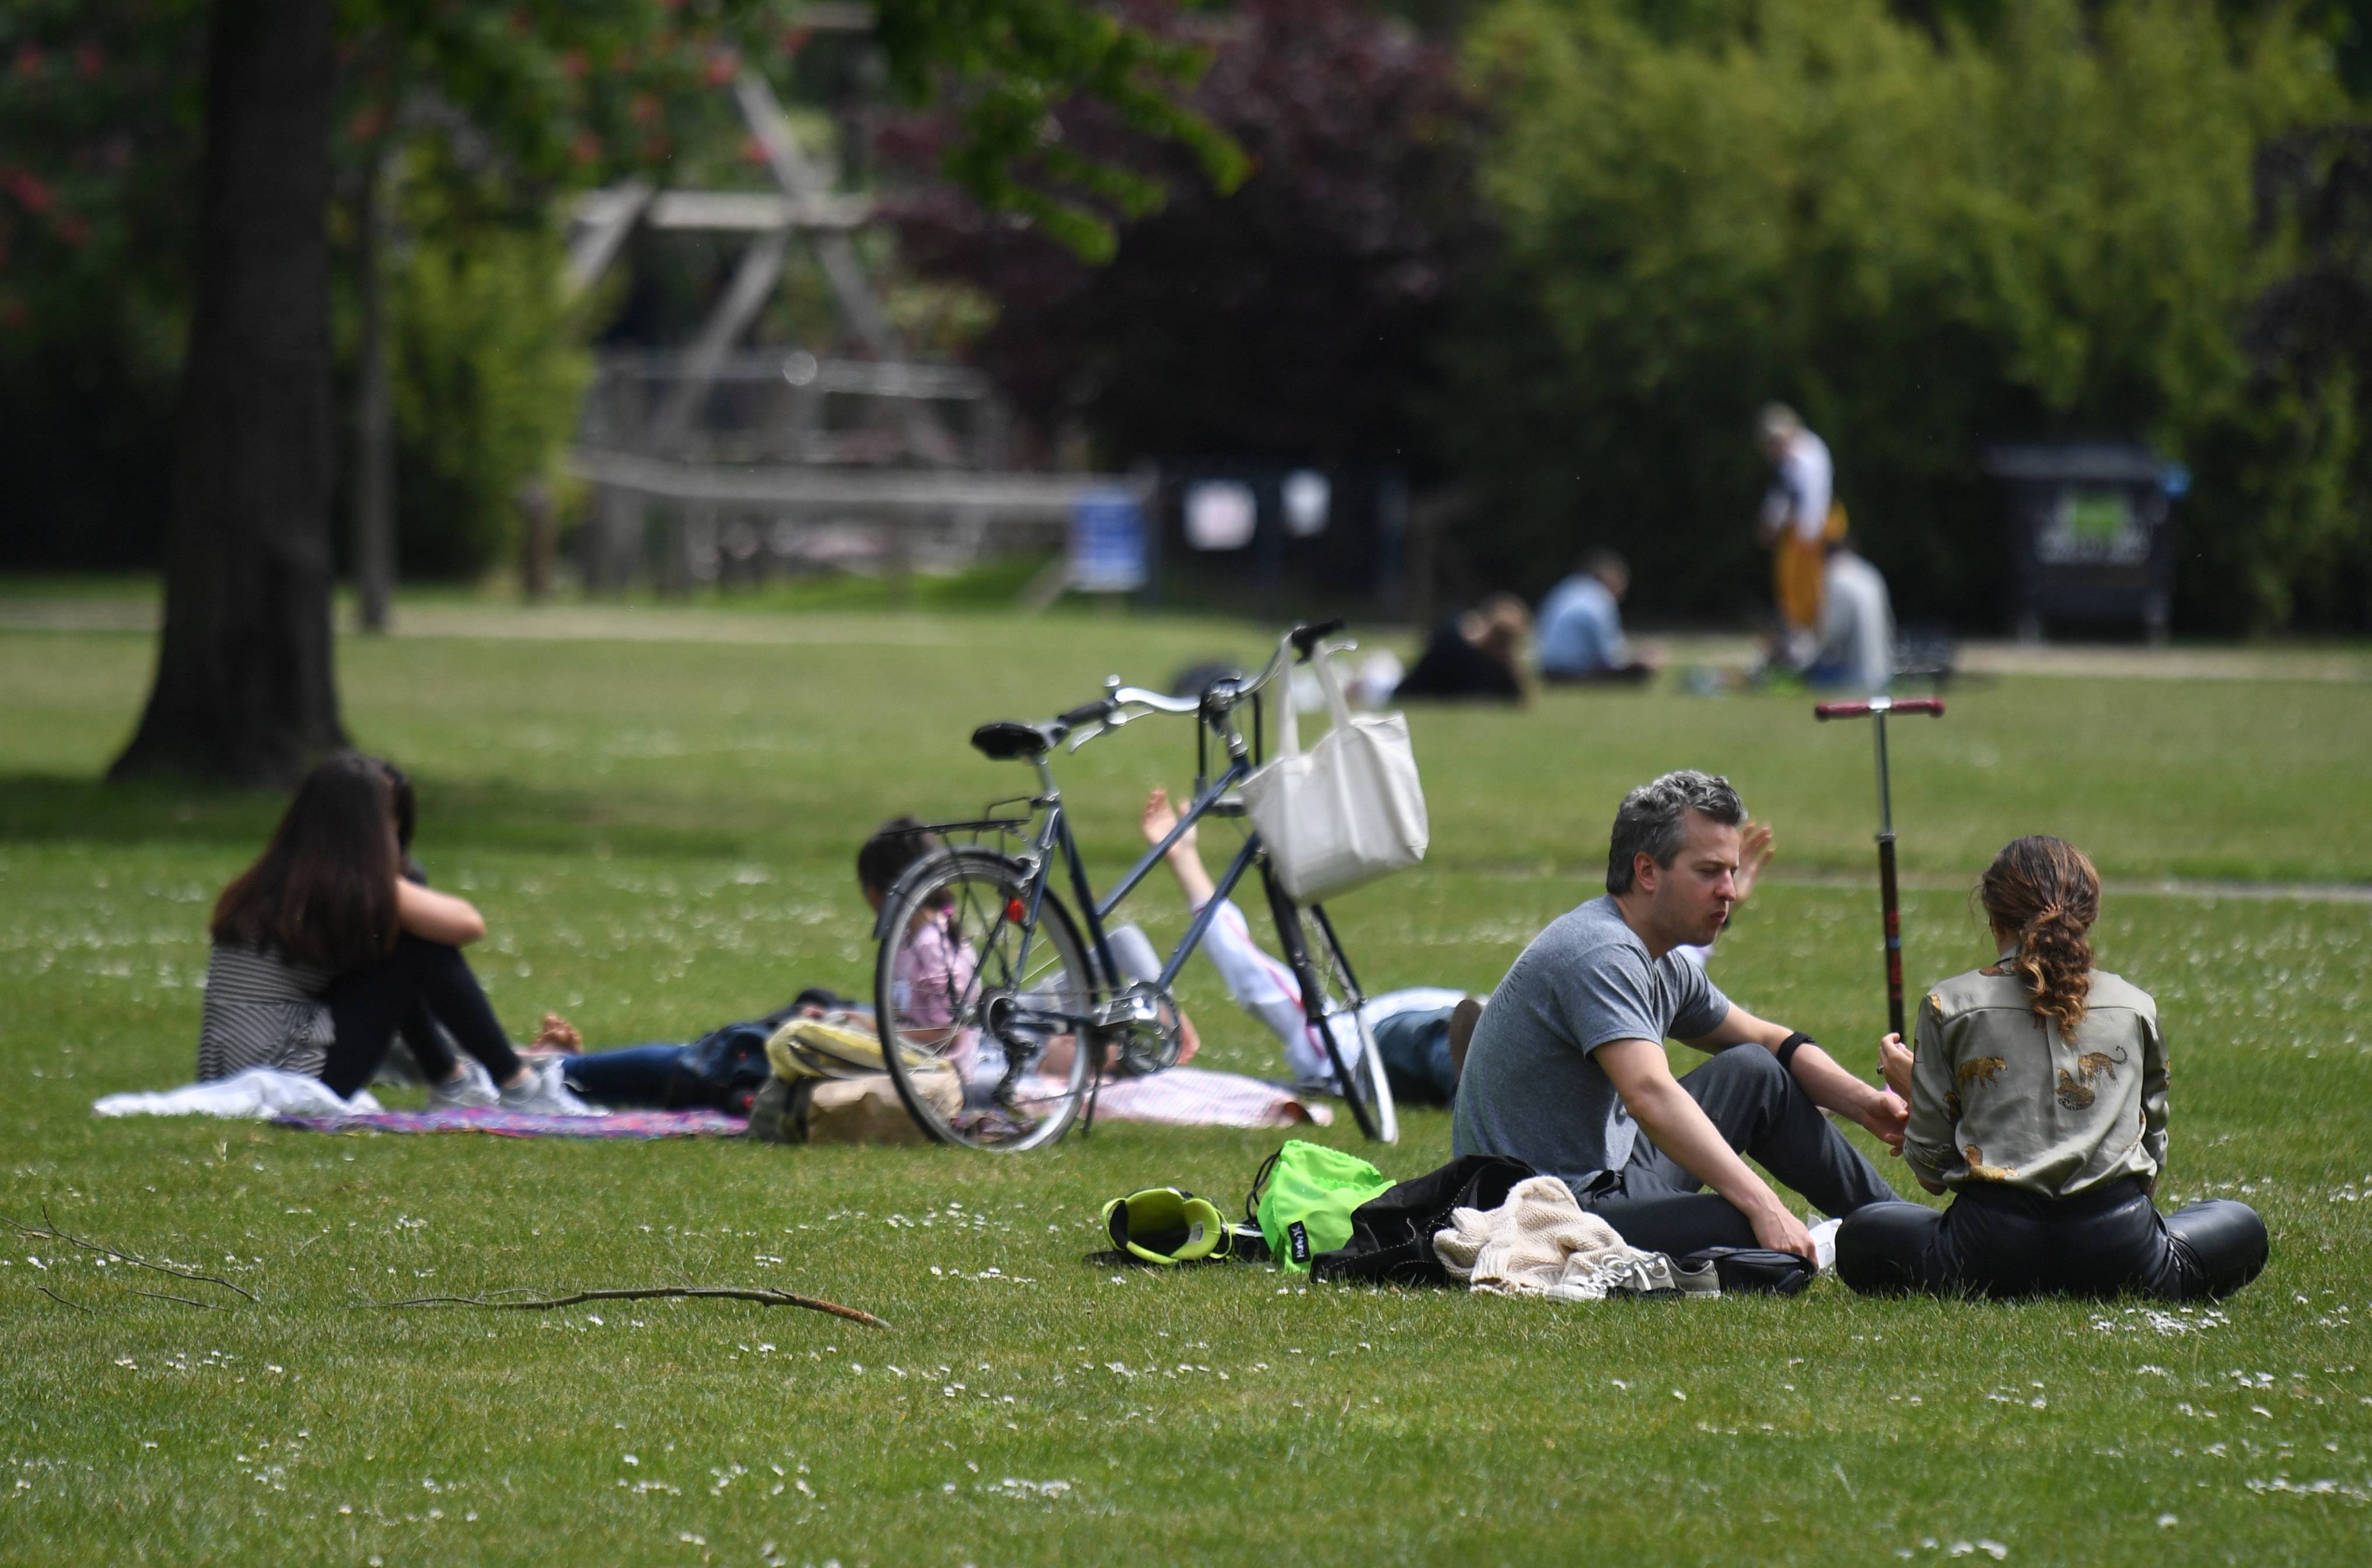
1293,318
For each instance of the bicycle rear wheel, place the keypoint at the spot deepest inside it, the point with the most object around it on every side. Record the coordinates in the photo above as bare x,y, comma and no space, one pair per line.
979,1007
1335,1006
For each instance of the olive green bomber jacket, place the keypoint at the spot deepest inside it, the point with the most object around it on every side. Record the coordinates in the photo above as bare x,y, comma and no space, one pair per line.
1998,1097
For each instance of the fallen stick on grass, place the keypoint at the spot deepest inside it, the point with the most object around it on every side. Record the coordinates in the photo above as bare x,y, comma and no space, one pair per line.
728,1293
184,1300
49,1227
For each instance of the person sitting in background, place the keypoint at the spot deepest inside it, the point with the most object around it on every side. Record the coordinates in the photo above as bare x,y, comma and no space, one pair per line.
1581,624
1856,645
324,948
2037,1095
1477,655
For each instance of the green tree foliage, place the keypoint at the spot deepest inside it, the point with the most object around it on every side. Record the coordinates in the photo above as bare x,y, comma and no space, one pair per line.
1286,320
1006,67
504,109
488,368
1926,237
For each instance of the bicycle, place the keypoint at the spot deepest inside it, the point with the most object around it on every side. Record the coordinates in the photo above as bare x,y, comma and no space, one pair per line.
984,968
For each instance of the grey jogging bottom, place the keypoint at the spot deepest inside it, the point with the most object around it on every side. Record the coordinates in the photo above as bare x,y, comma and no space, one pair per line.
1761,1111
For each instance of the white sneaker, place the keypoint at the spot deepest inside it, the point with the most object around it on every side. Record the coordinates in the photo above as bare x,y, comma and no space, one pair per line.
471,1088
544,1094
1824,1244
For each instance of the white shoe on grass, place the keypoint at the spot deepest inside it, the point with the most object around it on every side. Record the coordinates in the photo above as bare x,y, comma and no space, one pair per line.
1824,1244
543,1094
470,1088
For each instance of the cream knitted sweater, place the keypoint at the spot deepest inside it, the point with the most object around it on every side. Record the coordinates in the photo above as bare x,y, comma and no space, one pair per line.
1540,1242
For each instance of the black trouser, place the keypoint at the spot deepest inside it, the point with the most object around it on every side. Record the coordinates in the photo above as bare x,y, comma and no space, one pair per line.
1760,1110
417,986
1999,1241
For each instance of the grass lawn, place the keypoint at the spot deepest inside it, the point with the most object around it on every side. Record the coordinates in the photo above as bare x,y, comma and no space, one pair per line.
661,835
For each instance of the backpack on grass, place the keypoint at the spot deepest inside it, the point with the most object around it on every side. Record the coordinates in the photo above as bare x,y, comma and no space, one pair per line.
1391,1234
1303,1197
830,1085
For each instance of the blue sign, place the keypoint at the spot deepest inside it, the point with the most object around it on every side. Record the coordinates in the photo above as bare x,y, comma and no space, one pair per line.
1107,543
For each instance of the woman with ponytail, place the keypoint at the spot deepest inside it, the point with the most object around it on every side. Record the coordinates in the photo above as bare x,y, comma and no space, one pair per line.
2038,1092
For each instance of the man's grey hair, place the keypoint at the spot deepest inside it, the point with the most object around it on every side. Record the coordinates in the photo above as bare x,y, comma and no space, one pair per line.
1777,421
1651,820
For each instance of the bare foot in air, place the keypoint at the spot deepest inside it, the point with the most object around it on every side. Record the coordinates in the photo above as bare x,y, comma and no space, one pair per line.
1185,859
559,1034
1158,818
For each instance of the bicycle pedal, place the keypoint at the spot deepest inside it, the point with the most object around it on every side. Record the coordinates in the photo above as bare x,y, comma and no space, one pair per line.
1130,1009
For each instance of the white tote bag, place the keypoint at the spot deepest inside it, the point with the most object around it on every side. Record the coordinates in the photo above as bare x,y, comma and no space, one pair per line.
1344,812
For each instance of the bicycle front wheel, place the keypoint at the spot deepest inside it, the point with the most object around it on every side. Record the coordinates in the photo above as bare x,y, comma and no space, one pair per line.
979,1005
1336,1008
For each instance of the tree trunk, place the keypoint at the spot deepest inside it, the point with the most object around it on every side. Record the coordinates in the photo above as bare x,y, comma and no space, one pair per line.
244,691
374,410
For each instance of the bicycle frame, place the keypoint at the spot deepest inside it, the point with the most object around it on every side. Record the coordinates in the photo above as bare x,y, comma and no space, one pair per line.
1053,836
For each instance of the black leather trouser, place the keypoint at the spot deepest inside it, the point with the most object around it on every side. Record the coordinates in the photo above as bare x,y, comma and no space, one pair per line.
2002,1242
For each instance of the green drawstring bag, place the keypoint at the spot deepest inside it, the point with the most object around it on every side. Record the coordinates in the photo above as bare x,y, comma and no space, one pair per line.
1303,1197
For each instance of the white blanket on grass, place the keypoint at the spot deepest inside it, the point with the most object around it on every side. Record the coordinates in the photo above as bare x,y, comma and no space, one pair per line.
258,1093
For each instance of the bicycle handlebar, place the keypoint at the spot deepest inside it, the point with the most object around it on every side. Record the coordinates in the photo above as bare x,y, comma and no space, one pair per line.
1306,637
1160,702
1111,710
1824,711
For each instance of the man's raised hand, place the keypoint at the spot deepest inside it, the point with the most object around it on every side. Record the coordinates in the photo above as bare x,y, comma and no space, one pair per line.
1158,816
1185,859
1754,854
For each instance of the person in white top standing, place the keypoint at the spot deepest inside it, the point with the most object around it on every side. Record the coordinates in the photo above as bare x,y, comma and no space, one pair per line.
1856,648
1800,517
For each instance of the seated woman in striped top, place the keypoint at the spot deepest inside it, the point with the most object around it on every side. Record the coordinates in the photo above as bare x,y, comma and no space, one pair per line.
324,948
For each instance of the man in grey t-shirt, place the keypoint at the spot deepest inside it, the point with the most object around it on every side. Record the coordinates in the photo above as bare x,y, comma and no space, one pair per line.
1567,1067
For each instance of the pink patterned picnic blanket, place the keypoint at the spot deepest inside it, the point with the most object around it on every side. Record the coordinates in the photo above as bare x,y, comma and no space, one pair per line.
1193,1097
525,1124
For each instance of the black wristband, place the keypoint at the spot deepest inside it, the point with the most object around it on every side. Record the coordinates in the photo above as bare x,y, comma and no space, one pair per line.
1786,1051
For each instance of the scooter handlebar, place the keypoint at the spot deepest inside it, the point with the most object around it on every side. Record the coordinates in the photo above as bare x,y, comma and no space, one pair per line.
1934,706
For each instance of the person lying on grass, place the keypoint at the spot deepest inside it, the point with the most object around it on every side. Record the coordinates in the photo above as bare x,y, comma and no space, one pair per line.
1418,1031
724,1068
2038,1094
325,948
1568,1069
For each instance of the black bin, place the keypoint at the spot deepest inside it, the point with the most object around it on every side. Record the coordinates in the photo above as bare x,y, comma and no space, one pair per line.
2091,534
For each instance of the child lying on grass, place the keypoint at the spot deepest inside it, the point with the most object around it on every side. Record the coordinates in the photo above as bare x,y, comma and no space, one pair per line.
724,1068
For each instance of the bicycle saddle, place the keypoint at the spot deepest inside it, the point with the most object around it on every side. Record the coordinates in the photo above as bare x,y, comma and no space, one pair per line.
1007,739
